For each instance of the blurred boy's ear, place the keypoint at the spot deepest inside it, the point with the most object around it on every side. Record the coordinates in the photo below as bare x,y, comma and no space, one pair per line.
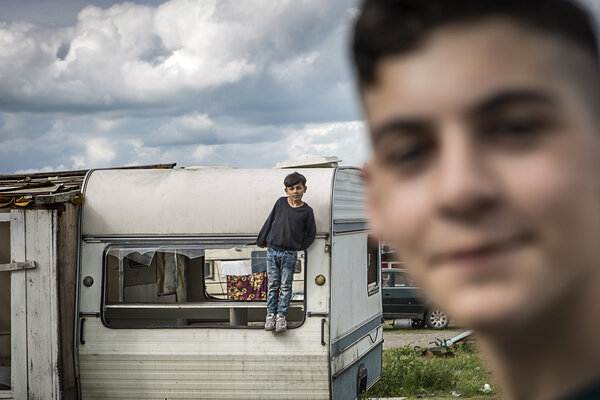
373,212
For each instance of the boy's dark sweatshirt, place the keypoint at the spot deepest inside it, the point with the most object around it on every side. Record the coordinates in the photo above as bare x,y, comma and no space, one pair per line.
288,228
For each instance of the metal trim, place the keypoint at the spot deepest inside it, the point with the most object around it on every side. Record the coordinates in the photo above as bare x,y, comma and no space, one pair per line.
344,227
359,339
317,314
353,363
147,238
358,333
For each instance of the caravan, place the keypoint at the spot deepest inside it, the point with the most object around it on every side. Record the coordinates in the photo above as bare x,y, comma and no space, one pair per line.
153,288
160,316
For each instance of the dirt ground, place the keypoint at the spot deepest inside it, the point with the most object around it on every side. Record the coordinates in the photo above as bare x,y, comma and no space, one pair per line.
416,337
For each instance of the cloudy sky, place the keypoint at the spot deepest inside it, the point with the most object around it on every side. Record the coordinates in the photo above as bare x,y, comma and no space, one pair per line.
245,83
248,83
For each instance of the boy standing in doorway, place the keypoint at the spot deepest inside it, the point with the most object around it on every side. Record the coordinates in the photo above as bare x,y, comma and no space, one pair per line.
485,175
289,228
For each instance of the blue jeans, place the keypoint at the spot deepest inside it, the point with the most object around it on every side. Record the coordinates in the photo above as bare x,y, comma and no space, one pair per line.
280,270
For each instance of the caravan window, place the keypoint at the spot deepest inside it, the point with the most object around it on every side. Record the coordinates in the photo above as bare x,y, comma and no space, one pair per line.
241,274
190,285
373,265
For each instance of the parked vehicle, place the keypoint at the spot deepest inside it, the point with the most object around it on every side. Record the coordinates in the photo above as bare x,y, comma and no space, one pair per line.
402,301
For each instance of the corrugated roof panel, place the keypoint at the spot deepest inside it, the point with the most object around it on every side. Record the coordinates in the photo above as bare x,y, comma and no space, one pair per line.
348,196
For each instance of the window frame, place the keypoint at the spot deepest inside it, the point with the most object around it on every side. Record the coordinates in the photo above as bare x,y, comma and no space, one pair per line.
200,244
374,287
211,268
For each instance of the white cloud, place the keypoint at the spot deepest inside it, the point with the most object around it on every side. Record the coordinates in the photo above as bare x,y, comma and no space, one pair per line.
203,152
106,125
78,162
99,151
194,122
346,140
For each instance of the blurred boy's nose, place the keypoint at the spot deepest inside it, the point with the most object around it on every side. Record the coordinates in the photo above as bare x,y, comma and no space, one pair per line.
464,183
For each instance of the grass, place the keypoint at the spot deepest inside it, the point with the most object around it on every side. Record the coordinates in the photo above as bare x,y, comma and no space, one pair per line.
407,373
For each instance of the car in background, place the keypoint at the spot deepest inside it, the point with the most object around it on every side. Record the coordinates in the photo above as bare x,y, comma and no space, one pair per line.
403,301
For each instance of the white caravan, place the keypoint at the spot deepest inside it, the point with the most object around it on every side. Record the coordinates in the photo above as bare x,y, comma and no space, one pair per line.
161,312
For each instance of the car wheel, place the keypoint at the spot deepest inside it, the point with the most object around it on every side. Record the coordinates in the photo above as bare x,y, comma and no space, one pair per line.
436,319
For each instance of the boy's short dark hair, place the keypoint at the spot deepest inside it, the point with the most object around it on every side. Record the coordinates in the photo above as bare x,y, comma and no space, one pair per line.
391,27
294,179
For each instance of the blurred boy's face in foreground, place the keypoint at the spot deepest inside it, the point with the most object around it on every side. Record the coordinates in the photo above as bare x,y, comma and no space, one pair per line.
486,169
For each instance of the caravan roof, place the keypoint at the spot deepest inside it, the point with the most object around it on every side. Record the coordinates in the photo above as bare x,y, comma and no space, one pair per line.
209,201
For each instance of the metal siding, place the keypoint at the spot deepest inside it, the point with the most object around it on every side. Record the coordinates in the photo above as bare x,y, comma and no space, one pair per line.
351,309
347,358
203,363
194,202
351,306
345,386
207,363
348,196
91,265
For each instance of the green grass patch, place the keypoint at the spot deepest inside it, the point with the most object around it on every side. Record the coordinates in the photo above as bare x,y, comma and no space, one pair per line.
407,373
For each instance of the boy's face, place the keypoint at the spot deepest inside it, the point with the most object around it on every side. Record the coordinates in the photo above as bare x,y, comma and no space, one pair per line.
485,173
296,191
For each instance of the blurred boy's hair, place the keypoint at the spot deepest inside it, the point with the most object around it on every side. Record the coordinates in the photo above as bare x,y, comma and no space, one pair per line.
392,27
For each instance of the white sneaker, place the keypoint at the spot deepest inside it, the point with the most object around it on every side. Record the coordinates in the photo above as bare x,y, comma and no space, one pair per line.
270,322
281,323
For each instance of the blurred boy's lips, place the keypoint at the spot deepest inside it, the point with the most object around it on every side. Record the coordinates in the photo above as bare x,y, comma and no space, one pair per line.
478,255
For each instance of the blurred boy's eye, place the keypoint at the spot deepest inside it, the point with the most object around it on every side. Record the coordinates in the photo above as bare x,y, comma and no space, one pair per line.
408,156
515,128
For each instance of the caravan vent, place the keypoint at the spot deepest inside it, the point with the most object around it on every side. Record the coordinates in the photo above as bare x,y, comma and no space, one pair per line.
315,162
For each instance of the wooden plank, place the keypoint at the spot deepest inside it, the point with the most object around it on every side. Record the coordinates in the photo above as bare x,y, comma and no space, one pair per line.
56,198
17,266
18,308
42,307
68,230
